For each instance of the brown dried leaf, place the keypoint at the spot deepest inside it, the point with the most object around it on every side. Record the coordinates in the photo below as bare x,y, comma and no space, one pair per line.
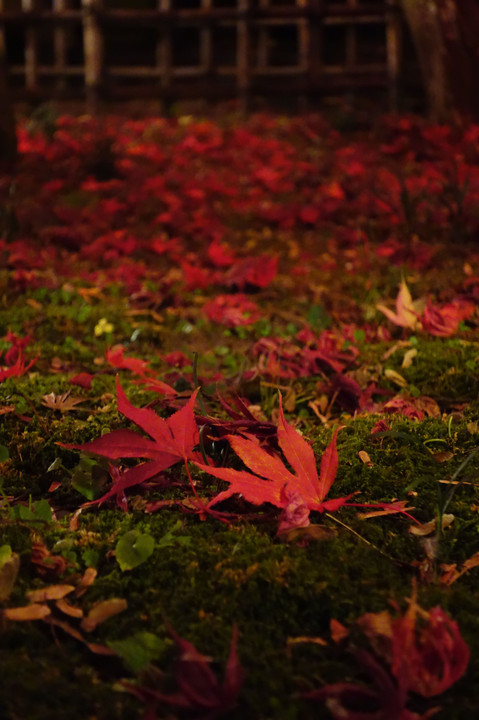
63,403
376,624
67,609
443,456
310,532
28,612
88,579
428,406
451,574
364,457
304,639
102,611
429,527
52,592
100,649
5,409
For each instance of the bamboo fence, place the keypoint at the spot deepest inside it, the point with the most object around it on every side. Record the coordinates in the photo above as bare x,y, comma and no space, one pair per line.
212,49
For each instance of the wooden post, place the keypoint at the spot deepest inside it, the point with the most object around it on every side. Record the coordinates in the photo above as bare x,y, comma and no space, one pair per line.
423,21
163,58
393,50
93,50
60,46
305,28
31,63
206,45
8,140
243,59
314,43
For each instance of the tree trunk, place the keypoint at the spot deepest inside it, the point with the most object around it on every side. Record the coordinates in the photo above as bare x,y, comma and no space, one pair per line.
445,34
8,140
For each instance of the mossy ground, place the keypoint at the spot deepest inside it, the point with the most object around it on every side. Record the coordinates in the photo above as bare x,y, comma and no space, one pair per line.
210,576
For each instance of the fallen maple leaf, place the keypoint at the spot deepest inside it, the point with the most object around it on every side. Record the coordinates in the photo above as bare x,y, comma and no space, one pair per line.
172,441
407,310
198,686
424,658
297,494
273,482
64,402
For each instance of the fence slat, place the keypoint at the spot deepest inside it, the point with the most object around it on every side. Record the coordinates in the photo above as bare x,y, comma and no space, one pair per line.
31,63
93,49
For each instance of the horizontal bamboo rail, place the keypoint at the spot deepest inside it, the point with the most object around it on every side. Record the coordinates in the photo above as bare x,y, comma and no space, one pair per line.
252,47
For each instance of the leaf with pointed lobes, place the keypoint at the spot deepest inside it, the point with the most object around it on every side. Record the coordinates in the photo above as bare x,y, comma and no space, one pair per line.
407,309
424,658
270,481
172,440
199,689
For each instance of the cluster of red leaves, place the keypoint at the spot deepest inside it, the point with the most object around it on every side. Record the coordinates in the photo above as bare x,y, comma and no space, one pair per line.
440,321
424,652
174,440
184,191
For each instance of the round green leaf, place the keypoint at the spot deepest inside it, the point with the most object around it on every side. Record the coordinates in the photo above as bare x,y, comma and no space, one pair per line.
133,548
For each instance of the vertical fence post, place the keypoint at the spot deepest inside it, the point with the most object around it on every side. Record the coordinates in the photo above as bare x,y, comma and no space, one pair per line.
31,64
93,50
8,141
305,28
393,49
206,43
60,46
2,29
314,39
163,58
243,58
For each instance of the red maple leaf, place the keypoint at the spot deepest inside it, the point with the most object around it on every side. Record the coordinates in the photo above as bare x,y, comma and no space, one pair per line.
172,441
297,494
272,481
424,653
198,687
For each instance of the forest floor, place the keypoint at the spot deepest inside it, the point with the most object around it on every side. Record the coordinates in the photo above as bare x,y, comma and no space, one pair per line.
239,420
